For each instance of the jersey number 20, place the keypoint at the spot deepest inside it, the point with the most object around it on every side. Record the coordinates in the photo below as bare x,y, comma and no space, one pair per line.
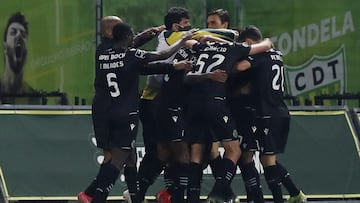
278,80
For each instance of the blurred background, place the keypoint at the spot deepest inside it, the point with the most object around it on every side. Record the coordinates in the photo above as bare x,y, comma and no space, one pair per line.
319,39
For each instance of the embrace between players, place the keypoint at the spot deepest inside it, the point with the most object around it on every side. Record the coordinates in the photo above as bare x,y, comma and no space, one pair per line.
205,88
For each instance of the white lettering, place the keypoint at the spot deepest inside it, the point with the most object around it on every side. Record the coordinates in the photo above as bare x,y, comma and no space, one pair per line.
117,64
117,56
276,57
215,48
334,33
348,23
325,35
299,38
313,33
103,57
285,43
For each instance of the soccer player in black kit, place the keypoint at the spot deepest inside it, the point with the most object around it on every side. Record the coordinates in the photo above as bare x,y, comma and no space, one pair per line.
241,101
207,112
107,25
273,119
115,104
171,127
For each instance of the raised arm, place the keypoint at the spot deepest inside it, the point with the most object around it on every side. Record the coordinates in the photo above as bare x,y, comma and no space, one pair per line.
163,68
262,46
164,54
147,35
211,38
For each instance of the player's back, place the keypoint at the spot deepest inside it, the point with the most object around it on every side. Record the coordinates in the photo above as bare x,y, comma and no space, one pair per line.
116,80
269,82
213,56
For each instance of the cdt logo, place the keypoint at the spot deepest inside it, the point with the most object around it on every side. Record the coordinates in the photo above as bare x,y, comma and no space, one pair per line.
318,72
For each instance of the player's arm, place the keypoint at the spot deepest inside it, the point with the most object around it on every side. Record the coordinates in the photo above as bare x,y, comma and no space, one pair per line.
262,46
243,65
218,76
163,68
164,54
210,38
146,35
206,38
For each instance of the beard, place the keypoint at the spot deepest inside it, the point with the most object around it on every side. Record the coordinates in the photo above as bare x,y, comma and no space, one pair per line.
16,55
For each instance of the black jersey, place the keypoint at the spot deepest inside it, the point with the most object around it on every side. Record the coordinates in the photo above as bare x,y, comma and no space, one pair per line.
210,57
117,80
106,43
269,83
172,89
240,88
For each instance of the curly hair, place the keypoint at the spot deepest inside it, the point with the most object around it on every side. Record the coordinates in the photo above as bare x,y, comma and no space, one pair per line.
16,18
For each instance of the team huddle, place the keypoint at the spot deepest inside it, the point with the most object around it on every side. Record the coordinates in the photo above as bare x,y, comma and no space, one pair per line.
205,89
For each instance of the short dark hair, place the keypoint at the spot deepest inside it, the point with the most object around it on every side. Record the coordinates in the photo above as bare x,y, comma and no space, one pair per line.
122,32
174,15
16,18
222,13
251,32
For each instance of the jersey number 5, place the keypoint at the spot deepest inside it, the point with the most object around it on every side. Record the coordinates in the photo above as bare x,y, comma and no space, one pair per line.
278,80
111,80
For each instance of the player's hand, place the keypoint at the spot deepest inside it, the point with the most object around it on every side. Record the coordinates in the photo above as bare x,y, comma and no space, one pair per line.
183,65
158,29
188,34
218,75
210,38
204,38
154,30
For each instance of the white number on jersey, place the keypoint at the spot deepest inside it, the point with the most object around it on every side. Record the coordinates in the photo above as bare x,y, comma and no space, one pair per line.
218,59
111,83
278,80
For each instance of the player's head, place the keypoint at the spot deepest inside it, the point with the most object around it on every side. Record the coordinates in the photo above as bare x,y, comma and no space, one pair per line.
177,19
218,19
123,34
250,34
15,42
107,25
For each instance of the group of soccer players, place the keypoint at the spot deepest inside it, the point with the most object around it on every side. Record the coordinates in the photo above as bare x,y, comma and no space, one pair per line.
214,87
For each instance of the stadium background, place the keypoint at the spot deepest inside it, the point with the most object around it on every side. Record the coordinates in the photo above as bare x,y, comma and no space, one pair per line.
61,45
62,35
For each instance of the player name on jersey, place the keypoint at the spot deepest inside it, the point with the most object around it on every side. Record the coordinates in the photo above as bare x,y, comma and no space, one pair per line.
215,48
276,57
108,63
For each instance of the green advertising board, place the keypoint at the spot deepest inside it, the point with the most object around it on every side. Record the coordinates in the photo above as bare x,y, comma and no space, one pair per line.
51,155
319,40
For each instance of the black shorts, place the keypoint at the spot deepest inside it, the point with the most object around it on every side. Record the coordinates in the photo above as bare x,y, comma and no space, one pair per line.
115,131
245,119
273,134
208,121
170,124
